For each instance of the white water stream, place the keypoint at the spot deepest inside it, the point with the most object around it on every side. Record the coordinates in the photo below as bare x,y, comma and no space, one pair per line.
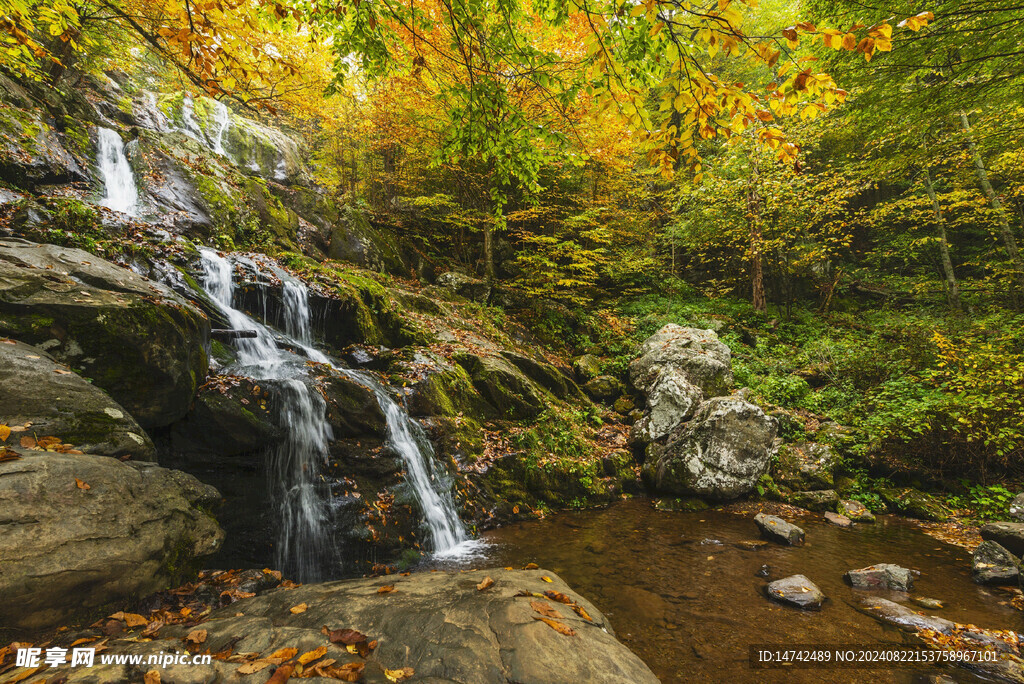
301,495
119,191
221,123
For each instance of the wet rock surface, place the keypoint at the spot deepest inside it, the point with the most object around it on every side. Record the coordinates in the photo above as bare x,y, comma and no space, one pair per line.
778,530
798,591
993,564
882,576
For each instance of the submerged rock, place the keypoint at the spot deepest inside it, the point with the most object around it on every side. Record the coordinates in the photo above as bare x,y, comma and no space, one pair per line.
82,531
838,520
698,355
797,591
855,511
136,339
441,625
779,530
993,564
1008,535
882,576
54,402
905,618
929,603
720,454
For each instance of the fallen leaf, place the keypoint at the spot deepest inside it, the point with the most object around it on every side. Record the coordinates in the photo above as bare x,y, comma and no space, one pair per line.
5,432
301,608
581,611
24,675
530,566
487,583
135,620
152,677
8,454
399,675
27,442
557,626
344,636
547,579
559,596
545,608
196,636
283,654
281,675
386,589
349,672
310,656
254,666
81,485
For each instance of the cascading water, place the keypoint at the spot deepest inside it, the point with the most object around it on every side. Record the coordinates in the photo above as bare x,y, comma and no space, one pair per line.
299,492
301,496
119,191
221,122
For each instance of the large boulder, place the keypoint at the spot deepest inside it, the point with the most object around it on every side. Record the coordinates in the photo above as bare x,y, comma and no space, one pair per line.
356,240
720,454
232,415
805,467
697,354
604,388
52,401
1008,535
31,151
83,531
992,564
914,503
466,286
672,400
134,338
447,628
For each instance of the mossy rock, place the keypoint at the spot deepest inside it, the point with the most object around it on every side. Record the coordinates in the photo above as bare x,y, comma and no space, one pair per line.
547,376
805,467
444,390
914,503
510,394
139,341
231,416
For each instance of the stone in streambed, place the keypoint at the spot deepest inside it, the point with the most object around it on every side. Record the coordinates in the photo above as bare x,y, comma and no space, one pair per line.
882,576
903,617
819,501
779,530
838,520
797,591
1008,535
855,511
993,564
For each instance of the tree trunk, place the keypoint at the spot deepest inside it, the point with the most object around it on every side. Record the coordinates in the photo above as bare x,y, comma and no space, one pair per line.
986,185
489,248
952,288
754,218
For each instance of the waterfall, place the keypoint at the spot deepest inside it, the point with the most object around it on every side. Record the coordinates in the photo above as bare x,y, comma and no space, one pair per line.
222,120
119,191
300,494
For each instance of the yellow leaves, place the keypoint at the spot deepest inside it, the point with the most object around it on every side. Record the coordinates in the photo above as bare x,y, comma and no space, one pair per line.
5,432
8,454
310,656
547,579
130,619
386,589
399,675
151,677
301,608
917,22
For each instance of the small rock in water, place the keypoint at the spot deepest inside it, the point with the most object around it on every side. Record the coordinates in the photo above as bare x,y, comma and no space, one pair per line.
855,511
929,603
905,618
764,571
993,564
779,530
751,544
710,542
882,576
798,591
836,519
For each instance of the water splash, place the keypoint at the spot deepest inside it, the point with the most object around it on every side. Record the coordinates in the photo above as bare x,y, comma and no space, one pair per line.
119,191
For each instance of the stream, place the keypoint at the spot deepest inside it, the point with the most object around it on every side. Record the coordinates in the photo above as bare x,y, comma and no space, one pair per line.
683,597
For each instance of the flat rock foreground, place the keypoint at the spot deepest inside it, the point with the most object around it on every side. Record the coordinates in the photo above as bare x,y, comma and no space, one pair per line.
476,627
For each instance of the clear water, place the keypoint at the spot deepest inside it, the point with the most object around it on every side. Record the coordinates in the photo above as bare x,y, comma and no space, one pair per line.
119,190
689,602
300,494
